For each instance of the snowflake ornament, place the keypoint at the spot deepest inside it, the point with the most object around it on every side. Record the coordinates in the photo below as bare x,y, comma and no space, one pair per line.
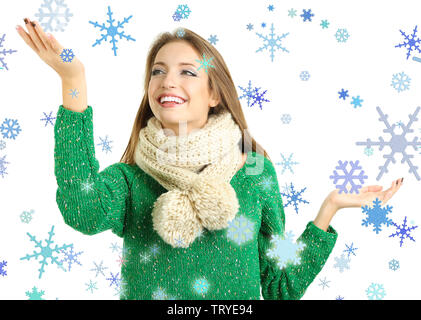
348,176
284,250
377,216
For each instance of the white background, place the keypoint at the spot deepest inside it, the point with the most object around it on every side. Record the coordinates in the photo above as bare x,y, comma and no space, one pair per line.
324,129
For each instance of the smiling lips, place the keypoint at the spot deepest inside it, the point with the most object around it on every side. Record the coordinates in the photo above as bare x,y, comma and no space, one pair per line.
171,103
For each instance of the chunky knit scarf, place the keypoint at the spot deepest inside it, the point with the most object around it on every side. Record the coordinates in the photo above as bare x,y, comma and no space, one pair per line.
196,169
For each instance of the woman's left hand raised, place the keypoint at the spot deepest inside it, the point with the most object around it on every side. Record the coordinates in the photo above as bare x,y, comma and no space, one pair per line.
364,197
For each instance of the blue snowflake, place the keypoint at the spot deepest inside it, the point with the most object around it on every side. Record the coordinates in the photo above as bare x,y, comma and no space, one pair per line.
114,279
112,31
398,143
307,15
271,7
253,95
10,128
249,27
46,252
294,197
48,119
400,82
394,264
348,176
213,39
304,75
287,163
324,24
105,144
324,283
350,249
272,43
377,216
53,14
412,43
375,291
176,16
286,118
183,10
341,35
240,230
3,167
3,272
70,257
67,55
73,93
99,269
403,231
284,250
4,52
343,94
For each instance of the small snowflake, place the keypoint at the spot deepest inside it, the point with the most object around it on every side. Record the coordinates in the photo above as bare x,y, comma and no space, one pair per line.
3,272
273,42
10,128
350,249
375,291
294,197
284,250
99,269
412,43
26,216
356,101
287,163
292,13
67,55
70,257
307,15
213,39
286,118
35,294
324,24
201,286
324,283
393,264
48,119
183,10
341,35
105,144
91,286
249,27
348,177
114,280
73,93
400,82
54,14
304,75
377,216
205,63
342,263
343,94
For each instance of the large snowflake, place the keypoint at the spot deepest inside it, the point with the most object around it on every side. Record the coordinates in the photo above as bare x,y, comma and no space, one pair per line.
403,231
377,216
294,197
284,250
3,53
375,291
56,13
46,252
398,143
272,43
348,176
412,43
112,31
287,163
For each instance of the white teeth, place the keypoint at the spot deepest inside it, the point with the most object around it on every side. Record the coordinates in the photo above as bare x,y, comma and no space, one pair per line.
163,99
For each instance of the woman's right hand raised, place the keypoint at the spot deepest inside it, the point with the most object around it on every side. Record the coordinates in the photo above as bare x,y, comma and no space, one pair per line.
49,50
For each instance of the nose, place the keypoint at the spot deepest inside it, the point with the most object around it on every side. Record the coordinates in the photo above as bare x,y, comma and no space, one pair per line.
168,80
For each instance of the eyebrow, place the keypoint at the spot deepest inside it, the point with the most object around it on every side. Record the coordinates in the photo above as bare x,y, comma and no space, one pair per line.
180,64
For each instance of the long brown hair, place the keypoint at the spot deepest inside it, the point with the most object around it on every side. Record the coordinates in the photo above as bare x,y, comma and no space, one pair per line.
219,80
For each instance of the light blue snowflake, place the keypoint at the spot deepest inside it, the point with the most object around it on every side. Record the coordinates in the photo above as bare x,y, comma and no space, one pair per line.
56,12
183,10
324,24
205,63
249,27
342,35
70,257
213,39
394,264
286,118
10,128
35,294
201,286
99,269
401,82
292,13
46,252
375,291
304,75
398,143
377,216
160,294
26,216
356,101
180,33
48,119
112,31
4,52
284,250
324,283
350,249
272,43
412,43
3,167
91,286
342,263
348,177
73,93
287,163
2,144
105,144
240,230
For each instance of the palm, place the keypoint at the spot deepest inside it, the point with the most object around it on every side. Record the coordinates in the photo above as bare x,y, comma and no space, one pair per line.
365,196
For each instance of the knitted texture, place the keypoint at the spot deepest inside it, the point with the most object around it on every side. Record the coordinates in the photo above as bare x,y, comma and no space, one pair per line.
197,169
231,263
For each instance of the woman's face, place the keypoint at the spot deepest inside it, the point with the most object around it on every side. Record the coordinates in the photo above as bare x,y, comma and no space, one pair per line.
170,76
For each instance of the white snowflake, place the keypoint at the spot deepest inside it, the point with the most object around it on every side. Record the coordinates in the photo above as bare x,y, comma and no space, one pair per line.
284,250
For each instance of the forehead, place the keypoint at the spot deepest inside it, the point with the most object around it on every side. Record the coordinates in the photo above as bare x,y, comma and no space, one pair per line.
177,53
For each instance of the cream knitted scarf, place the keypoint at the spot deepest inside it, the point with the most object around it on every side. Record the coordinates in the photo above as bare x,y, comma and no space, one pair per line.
196,169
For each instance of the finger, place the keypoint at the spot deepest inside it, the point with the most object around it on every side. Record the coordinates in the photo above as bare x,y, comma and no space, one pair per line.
41,34
34,36
374,188
392,190
27,38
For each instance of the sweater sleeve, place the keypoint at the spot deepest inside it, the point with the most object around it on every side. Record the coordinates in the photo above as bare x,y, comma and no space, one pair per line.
89,201
285,275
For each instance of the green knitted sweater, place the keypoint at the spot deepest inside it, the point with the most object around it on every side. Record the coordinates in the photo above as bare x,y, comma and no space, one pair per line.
252,256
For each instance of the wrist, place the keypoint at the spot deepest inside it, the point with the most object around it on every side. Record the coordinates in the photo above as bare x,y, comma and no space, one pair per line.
325,215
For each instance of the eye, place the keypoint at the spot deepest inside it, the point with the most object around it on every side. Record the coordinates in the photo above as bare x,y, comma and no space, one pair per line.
154,72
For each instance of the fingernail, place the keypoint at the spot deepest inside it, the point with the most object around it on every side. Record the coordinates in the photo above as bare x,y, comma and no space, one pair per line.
26,20
402,180
33,24
17,27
